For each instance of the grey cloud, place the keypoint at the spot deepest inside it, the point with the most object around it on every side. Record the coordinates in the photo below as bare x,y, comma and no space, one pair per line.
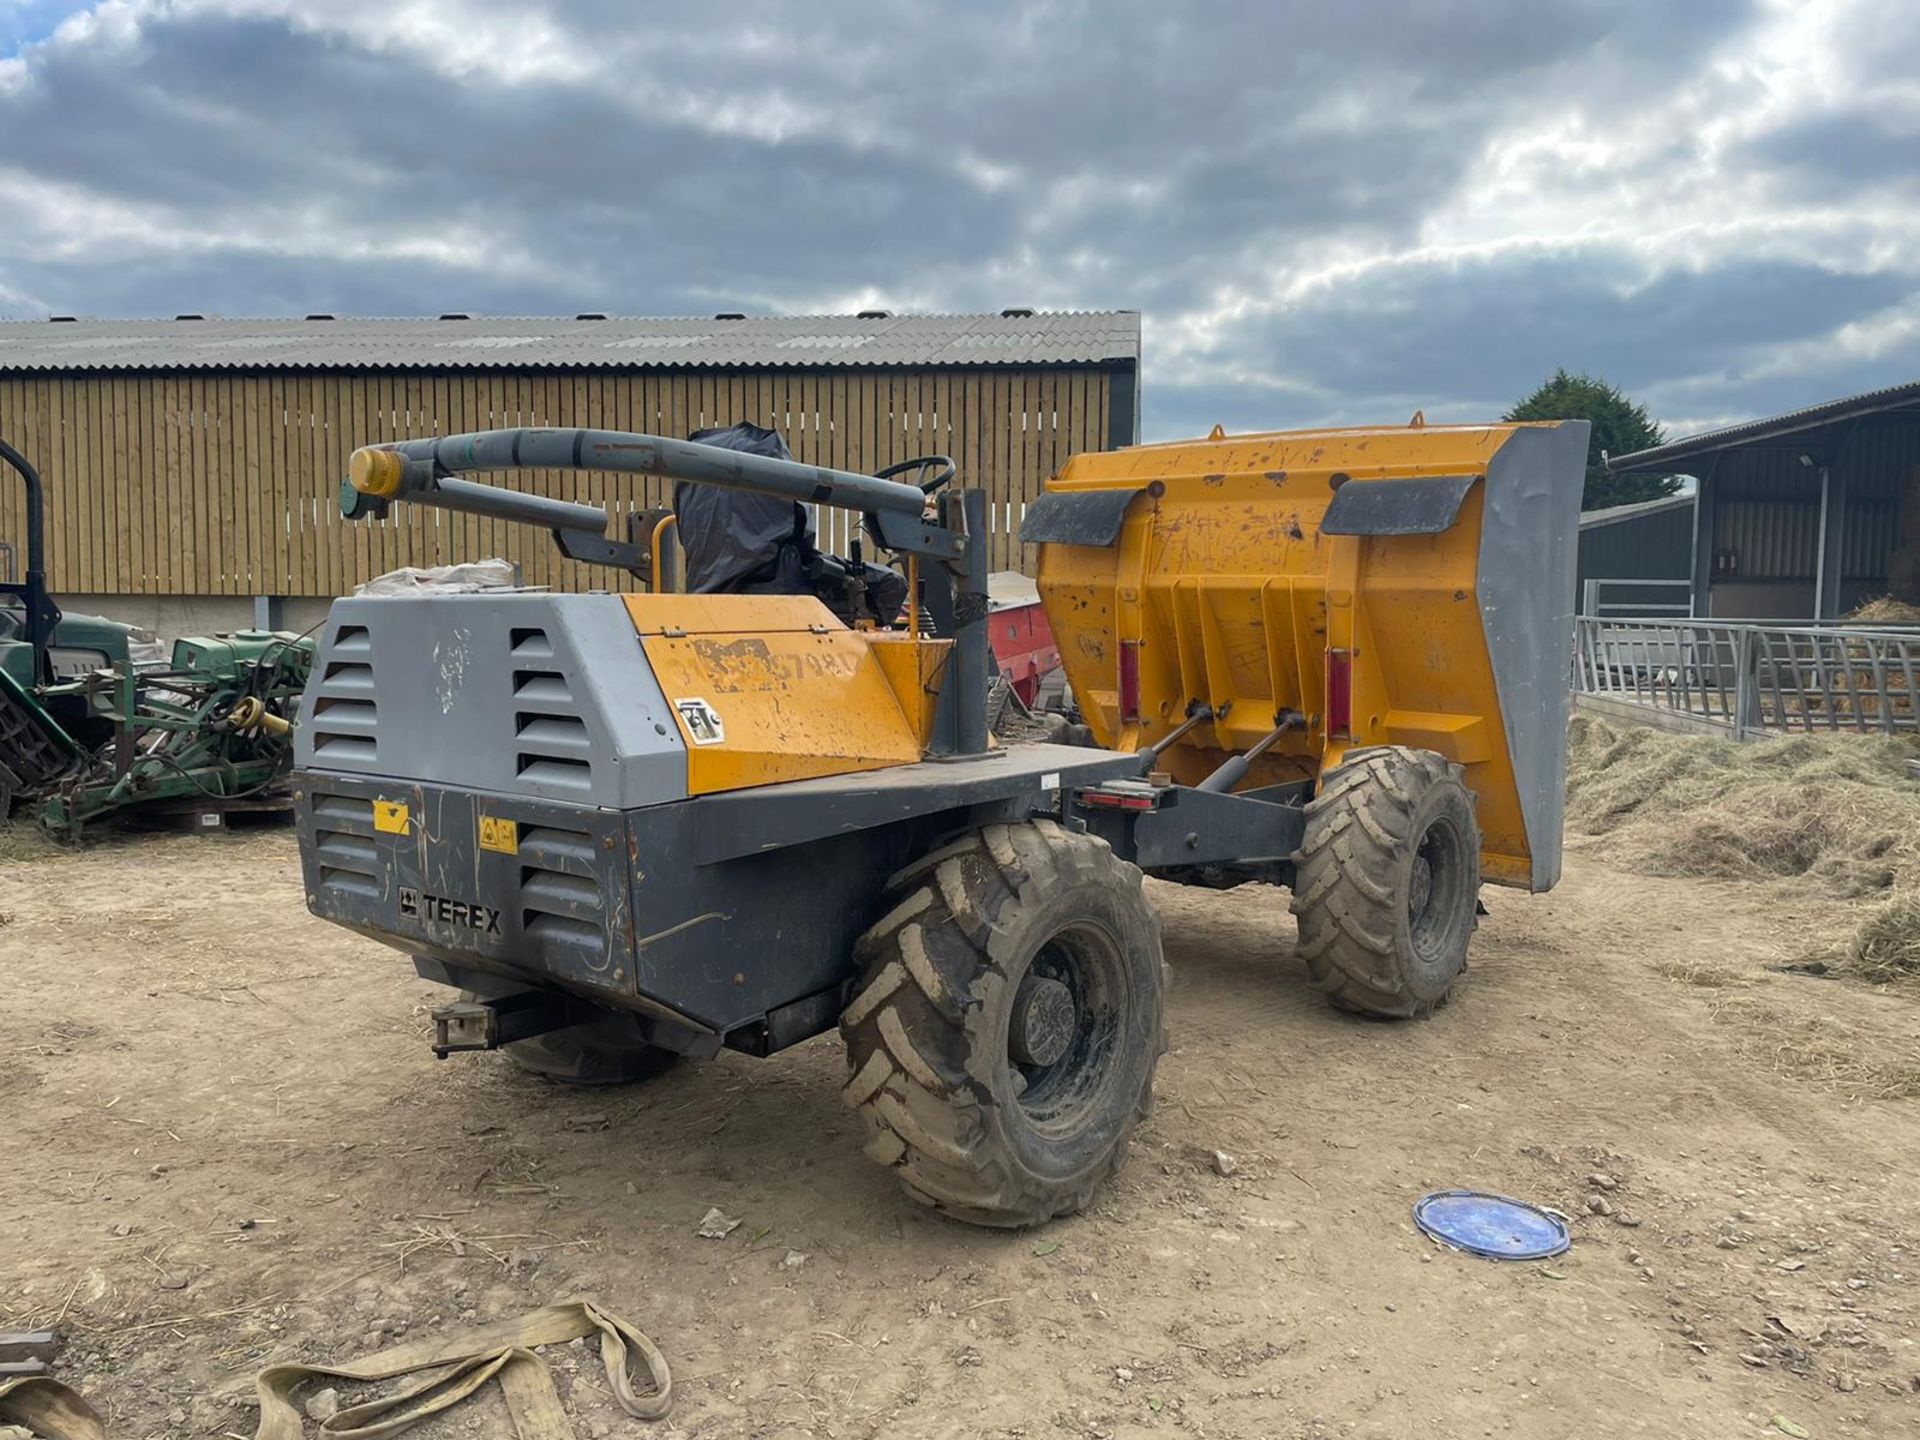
1466,341
1836,157
1717,397
1174,160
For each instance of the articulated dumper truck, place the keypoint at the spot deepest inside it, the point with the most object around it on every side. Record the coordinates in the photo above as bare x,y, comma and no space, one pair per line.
632,827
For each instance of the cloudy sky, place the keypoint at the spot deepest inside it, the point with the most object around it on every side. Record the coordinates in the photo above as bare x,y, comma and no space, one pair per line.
1325,212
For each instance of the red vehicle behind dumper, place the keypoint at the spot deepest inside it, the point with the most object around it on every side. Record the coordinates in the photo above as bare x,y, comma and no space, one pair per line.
1023,644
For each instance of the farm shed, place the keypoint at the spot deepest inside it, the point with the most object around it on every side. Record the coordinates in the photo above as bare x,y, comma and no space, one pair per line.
1635,559
192,464
1804,515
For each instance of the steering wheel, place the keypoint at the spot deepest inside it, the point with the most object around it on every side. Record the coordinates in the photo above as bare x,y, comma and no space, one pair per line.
942,466
943,470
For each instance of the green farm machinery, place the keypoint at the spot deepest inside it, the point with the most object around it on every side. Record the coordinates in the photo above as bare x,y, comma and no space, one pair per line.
89,730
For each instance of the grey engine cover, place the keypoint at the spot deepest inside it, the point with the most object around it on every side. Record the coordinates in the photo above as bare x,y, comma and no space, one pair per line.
544,696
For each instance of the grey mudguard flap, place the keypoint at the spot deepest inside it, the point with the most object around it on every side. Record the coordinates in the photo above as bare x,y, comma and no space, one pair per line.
1076,517
1421,505
544,696
1528,539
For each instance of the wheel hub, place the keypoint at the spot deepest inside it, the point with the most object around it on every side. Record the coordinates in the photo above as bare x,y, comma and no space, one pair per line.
1420,886
1043,1022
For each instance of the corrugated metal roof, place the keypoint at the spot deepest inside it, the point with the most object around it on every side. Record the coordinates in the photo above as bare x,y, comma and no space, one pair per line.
1752,432
519,343
1615,513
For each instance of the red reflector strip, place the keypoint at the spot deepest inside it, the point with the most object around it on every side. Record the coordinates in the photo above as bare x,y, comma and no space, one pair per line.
1340,693
1129,662
1107,800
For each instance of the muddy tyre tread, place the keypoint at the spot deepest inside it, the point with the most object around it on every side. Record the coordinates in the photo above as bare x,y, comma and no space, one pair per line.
1345,895
916,1029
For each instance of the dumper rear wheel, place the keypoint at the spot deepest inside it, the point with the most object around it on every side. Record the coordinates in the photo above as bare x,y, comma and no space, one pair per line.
1386,881
1006,1026
606,1050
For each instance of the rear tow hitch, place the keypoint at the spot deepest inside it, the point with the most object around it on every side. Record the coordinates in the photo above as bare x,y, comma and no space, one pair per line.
489,1024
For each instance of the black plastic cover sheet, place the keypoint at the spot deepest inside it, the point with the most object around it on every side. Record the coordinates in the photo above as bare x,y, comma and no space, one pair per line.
734,539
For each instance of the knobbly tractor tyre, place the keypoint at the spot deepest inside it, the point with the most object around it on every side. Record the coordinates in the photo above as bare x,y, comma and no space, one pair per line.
1006,1025
606,1050
1386,881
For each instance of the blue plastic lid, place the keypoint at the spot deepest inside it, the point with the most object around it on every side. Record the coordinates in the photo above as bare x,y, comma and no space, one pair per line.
1491,1225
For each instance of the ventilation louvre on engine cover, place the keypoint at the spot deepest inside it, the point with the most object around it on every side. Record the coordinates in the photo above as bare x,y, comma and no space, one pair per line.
342,712
562,901
552,745
347,858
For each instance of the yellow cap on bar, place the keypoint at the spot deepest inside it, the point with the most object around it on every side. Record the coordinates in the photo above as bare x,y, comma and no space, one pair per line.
376,472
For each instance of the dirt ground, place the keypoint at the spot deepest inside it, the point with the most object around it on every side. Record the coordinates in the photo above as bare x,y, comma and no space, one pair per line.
226,1142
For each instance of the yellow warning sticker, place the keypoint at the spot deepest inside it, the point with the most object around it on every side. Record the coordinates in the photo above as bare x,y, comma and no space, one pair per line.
499,835
390,817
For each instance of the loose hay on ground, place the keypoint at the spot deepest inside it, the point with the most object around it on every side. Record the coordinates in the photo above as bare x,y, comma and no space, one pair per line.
1840,809
21,840
1705,974
1886,947
1823,1051
1887,611
1839,813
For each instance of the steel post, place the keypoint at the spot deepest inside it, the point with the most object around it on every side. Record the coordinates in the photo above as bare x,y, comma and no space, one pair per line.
1833,527
41,613
1746,692
1700,594
966,511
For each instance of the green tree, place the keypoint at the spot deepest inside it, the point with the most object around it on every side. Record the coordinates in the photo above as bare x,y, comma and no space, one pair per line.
1620,427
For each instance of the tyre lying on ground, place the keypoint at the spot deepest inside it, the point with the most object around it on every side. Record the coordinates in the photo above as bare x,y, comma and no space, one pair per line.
1005,1029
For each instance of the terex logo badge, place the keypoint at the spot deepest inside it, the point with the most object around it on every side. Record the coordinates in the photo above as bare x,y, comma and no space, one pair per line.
438,908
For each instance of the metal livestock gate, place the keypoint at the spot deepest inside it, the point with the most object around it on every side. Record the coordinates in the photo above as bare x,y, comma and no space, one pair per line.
197,457
1748,679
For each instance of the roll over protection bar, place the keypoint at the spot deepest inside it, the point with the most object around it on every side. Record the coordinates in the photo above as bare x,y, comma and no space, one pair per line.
426,472
423,471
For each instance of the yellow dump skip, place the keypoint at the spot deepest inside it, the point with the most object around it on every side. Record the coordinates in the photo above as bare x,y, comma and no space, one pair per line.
1221,587
767,688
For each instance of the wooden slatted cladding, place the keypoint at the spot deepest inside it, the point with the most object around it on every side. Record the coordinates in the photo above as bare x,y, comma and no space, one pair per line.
221,483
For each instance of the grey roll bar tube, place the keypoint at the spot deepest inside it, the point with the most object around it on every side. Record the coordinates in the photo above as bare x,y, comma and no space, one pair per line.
472,498
426,472
425,469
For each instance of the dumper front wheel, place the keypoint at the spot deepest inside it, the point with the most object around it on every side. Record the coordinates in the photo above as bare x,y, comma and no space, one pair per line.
1386,880
1006,1026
